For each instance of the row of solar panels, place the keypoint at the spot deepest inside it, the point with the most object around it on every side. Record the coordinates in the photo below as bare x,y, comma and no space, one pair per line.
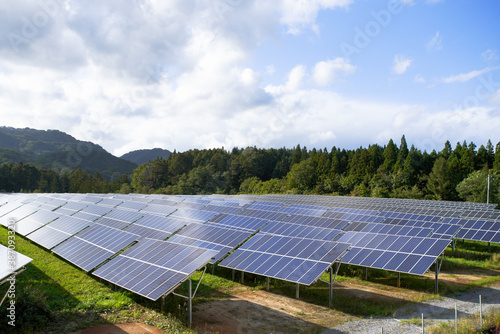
400,251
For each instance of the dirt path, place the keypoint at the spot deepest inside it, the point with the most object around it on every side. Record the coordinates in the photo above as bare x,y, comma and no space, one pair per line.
262,312
134,328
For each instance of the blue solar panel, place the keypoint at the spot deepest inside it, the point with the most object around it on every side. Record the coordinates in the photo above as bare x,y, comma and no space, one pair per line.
57,231
162,210
140,270
301,261
268,215
35,221
193,215
166,224
94,245
295,230
147,232
238,222
132,205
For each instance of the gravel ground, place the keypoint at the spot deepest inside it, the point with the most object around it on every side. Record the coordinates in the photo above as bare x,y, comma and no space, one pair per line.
435,310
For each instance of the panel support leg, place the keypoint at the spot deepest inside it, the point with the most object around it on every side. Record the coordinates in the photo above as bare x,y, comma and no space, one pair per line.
399,279
297,290
330,290
163,304
366,273
267,283
233,274
453,242
242,277
438,264
190,304
213,268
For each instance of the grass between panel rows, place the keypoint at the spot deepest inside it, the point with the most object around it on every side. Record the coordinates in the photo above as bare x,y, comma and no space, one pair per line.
53,296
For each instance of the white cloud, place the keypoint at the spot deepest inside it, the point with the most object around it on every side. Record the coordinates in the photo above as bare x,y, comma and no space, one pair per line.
299,14
419,78
436,43
464,77
489,55
326,72
401,64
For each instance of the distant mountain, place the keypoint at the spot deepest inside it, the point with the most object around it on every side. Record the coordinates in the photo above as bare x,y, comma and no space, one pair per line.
53,149
140,157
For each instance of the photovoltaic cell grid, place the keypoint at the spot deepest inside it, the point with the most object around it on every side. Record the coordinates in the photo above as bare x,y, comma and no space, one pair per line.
193,215
11,261
237,222
316,221
94,245
153,268
295,230
57,231
35,221
221,239
477,230
388,229
413,255
287,258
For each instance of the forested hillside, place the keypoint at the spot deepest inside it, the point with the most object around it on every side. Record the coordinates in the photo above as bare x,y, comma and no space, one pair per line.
454,173
56,150
458,173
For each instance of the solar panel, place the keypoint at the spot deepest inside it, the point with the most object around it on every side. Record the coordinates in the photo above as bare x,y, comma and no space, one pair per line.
316,221
35,221
193,215
154,268
165,224
57,231
295,230
147,232
159,209
221,239
237,222
392,252
94,245
286,258
11,261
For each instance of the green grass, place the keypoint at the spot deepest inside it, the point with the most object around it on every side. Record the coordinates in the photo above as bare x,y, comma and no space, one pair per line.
53,296
470,324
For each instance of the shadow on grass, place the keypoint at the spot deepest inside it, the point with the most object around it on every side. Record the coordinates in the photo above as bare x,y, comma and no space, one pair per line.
41,306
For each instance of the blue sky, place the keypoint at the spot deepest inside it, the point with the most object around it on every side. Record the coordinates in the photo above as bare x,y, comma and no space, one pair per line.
212,73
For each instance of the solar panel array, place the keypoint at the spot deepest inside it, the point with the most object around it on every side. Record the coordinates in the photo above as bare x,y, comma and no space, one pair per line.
290,237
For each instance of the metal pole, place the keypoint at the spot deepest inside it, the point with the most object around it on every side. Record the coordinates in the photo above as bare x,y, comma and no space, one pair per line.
480,313
233,274
190,304
399,279
437,275
242,277
213,268
366,273
330,292
488,194
422,323
162,303
267,283
297,291
456,320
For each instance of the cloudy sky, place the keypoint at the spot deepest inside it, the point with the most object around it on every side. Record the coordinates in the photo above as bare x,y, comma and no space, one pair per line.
183,74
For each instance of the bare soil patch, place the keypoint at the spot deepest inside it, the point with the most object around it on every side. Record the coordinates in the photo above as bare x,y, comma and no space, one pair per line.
263,312
133,328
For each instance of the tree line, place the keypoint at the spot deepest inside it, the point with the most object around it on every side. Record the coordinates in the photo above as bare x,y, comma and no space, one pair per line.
454,173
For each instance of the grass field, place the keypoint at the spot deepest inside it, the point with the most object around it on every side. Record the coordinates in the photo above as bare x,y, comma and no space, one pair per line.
53,296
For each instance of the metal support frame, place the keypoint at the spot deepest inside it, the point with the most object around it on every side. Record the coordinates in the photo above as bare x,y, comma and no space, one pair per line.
366,273
213,269
190,303
399,279
297,291
267,283
453,244
330,299
233,274
437,269
242,277
13,275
